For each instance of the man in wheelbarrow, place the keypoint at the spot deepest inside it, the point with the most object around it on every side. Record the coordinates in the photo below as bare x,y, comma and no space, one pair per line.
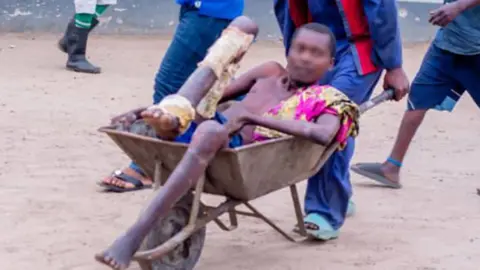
279,100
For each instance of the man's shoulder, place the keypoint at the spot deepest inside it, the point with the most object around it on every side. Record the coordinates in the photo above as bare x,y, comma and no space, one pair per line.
272,68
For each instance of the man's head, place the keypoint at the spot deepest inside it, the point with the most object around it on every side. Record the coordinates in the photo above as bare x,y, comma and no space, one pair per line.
311,53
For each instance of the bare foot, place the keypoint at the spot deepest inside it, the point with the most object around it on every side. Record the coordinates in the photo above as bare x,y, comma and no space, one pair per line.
119,255
166,125
118,179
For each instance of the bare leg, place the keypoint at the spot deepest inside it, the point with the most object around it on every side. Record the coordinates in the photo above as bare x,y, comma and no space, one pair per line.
387,170
207,140
409,126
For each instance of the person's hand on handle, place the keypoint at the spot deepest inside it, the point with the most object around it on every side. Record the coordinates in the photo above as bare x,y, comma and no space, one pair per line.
397,79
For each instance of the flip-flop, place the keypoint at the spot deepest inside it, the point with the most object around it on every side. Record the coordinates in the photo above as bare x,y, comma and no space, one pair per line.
324,232
138,185
374,172
351,210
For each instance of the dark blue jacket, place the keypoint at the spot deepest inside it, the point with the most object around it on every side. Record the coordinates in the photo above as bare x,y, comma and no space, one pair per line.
368,27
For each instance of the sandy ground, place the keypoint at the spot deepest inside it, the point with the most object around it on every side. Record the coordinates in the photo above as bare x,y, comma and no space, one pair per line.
53,217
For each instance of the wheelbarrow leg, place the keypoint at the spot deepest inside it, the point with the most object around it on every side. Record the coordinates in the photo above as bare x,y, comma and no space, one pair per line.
298,210
269,222
157,175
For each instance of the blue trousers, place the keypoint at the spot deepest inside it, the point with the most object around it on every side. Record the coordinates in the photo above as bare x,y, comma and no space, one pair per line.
329,191
195,33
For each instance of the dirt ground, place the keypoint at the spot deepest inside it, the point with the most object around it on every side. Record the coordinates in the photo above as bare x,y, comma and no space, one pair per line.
53,217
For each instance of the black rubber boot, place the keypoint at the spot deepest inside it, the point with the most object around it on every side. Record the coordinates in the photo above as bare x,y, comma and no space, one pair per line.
62,43
77,46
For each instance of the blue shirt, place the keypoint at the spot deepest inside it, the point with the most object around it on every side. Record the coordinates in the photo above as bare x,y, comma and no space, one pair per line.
222,9
462,35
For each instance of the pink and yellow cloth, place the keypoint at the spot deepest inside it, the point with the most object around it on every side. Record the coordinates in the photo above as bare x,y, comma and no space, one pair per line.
308,104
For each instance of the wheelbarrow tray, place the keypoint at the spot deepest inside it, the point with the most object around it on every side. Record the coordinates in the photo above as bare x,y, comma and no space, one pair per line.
244,173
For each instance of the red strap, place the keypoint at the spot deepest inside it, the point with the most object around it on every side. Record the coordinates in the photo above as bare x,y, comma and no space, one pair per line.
299,12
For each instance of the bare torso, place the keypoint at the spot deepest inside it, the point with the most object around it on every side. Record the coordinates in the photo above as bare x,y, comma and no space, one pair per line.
266,93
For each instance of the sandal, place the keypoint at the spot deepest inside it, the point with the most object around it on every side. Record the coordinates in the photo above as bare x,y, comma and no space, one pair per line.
138,185
324,230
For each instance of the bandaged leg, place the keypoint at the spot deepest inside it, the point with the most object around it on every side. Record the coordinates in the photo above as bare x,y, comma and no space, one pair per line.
171,117
223,59
204,88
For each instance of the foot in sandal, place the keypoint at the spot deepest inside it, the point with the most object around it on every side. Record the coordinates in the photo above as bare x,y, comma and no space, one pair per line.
351,211
387,173
126,180
318,228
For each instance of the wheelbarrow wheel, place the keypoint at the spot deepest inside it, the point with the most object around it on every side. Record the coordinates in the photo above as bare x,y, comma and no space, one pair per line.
184,256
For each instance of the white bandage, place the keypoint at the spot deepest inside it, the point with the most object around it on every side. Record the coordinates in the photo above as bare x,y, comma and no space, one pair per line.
208,105
179,107
231,44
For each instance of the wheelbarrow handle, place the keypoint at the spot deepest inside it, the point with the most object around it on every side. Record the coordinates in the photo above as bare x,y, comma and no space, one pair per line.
385,96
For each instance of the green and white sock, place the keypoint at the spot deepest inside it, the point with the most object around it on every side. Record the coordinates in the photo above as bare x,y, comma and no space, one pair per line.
83,20
100,9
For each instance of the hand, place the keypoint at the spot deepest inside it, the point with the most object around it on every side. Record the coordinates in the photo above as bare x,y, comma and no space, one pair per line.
125,120
445,14
236,124
397,79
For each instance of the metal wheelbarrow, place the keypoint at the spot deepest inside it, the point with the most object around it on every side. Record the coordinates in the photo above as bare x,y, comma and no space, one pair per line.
237,174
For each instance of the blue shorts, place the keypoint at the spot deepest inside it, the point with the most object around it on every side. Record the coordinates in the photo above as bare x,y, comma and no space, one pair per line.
442,80
235,141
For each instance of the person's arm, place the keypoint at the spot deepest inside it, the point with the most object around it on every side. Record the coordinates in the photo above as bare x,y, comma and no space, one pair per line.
382,17
467,4
323,131
448,12
244,82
